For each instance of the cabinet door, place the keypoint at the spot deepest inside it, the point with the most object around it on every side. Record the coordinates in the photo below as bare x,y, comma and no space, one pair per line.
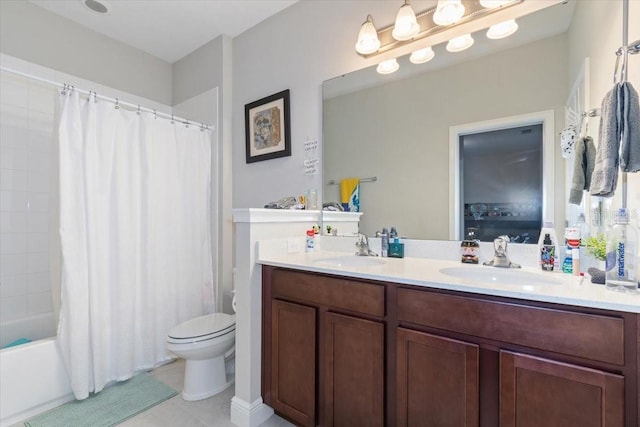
354,371
437,381
293,361
536,392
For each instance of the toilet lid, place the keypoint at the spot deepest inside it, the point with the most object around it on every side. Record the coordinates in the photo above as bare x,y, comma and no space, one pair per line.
204,327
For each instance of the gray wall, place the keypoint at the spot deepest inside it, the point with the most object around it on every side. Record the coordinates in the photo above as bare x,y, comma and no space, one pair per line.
399,131
36,35
208,67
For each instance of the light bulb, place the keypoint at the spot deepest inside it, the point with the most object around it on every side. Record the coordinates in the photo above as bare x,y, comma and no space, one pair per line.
387,67
422,55
492,4
406,25
461,43
368,41
502,30
448,12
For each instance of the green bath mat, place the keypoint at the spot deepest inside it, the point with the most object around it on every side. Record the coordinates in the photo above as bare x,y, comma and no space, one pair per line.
110,407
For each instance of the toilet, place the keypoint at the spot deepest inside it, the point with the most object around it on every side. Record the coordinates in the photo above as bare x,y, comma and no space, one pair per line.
203,342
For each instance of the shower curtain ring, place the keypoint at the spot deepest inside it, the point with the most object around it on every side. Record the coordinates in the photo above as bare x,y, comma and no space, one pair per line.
138,112
64,89
117,104
186,123
172,121
155,114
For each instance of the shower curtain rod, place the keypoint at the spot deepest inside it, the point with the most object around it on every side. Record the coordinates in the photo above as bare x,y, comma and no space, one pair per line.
116,101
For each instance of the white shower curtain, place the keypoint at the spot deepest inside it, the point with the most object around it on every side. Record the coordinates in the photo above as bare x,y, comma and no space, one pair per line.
135,236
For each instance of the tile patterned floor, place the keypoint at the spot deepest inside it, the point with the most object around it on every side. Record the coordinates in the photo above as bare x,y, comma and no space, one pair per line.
175,412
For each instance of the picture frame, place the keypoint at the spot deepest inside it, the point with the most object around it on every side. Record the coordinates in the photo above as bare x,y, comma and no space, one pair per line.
267,128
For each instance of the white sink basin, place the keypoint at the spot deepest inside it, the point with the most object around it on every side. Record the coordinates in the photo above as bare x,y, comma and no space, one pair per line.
350,261
503,276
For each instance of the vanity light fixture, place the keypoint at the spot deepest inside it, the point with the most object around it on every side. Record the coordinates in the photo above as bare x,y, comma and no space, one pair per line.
448,21
421,56
502,30
368,41
406,25
387,67
461,43
492,4
448,12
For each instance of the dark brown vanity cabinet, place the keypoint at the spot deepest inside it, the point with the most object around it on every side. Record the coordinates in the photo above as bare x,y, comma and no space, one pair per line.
349,352
438,380
323,349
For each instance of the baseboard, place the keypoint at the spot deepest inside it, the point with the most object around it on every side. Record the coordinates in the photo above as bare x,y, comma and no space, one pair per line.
245,414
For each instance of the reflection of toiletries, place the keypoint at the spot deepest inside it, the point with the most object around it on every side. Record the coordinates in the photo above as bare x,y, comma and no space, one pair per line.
393,233
469,247
575,255
311,200
384,242
567,264
396,249
572,234
310,240
547,253
547,228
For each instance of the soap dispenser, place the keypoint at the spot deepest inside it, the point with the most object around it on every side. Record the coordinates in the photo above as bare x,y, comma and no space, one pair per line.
470,247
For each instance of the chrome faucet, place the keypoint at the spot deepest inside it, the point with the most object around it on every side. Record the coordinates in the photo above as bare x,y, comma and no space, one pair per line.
363,246
500,258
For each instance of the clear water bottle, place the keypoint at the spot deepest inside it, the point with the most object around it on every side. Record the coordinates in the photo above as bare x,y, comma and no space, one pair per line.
622,261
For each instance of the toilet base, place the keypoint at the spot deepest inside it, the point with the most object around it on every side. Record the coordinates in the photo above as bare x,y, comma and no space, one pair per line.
204,378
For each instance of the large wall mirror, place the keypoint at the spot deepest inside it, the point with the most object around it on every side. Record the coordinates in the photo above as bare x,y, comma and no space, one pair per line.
397,127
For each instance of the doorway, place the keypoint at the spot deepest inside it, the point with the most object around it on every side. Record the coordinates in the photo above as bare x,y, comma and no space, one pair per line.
501,183
544,120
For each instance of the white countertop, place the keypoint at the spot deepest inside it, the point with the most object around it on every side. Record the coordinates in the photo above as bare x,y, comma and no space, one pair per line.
426,272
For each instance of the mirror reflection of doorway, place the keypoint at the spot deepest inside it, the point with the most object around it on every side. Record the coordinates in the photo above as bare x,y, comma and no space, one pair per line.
502,182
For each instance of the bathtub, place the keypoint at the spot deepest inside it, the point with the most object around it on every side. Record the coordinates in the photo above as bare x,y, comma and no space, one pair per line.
33,376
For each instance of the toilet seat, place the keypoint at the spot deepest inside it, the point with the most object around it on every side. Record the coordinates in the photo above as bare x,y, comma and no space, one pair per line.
202,329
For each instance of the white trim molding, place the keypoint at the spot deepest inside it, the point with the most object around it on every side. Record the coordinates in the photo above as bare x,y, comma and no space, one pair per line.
245,414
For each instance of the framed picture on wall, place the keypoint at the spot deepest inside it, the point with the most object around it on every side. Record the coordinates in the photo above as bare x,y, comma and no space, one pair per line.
267,127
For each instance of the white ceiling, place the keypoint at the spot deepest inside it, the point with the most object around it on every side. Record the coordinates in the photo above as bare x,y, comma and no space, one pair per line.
168,29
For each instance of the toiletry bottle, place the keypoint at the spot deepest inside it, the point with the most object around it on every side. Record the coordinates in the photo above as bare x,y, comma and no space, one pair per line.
547,253
396,249
622,249
469,248
547,228
393,233
567,264
310,240
572,235
384,242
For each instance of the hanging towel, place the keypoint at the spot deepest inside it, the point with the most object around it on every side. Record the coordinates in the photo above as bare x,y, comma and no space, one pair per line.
605,171
583,163
350,194
630,128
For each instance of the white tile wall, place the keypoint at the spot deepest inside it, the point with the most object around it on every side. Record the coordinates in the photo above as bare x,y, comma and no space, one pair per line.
27,132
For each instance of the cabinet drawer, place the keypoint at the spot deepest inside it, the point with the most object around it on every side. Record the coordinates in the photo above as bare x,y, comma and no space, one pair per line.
338,293
588,336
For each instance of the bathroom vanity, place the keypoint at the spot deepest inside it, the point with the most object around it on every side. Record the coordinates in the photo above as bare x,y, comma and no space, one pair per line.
378,345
